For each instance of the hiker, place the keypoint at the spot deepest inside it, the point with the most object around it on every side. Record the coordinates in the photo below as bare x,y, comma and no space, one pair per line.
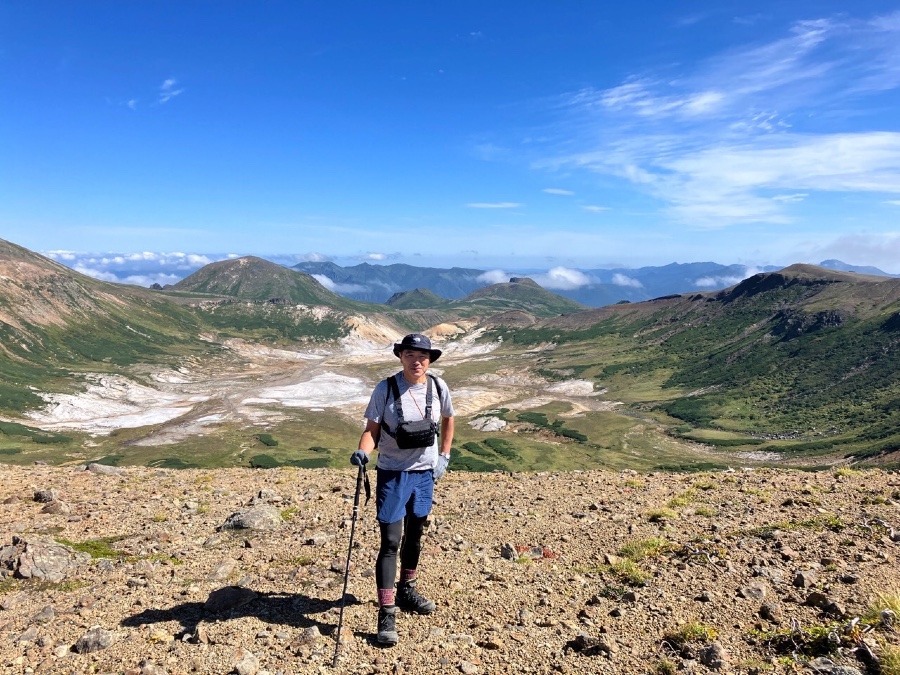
413,453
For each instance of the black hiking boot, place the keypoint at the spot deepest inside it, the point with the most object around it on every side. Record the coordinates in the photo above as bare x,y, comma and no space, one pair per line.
387,626
408,599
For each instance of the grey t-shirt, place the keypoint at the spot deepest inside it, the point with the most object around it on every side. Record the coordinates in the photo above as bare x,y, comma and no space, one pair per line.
412,399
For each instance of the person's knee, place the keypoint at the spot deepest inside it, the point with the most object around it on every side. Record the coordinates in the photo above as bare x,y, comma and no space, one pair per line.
391,535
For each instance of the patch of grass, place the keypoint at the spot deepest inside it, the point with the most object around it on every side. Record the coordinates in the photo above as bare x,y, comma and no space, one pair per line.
612,592
815,640
690,632
683,499
629,572
644,548
889,658
665,667
96,548
828,521
289,512
267,439
661,515
882,602
706,511
300,561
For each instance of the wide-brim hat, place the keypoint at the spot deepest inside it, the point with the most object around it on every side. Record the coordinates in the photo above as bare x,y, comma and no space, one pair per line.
418,342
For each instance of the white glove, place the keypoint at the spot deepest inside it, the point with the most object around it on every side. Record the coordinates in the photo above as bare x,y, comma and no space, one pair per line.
441,467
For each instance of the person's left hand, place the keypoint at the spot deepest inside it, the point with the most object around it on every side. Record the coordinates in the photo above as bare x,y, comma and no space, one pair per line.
441,467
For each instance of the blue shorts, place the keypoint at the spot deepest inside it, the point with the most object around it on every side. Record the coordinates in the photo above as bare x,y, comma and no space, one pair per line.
403,493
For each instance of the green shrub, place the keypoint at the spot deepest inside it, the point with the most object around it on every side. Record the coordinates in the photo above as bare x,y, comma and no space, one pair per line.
267,440
264,462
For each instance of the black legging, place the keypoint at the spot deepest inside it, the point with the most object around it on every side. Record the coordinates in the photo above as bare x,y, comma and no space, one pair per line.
404,535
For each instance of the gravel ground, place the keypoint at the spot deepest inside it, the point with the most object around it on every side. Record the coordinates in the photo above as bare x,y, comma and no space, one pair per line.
583,572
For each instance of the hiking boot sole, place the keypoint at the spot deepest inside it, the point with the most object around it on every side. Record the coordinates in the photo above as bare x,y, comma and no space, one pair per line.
387,639
418,609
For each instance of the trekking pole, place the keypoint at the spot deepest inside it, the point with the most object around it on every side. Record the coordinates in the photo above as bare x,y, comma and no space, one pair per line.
359,483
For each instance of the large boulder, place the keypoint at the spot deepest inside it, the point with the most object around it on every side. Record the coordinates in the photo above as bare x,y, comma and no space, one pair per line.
259,517
40,558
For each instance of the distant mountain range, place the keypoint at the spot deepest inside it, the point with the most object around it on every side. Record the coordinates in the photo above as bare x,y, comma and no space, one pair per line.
590,287
797,360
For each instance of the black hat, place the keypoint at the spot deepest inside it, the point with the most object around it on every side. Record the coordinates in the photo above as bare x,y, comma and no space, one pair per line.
417,341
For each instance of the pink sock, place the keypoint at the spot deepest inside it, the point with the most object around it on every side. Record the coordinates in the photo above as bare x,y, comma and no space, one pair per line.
385,597
407,575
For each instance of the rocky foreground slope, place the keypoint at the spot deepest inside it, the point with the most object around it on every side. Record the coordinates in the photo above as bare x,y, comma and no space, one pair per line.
148,571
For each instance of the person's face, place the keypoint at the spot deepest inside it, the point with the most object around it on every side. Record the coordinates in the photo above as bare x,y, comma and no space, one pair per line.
415,363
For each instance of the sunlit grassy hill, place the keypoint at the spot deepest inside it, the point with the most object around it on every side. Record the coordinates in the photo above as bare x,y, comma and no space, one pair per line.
801,360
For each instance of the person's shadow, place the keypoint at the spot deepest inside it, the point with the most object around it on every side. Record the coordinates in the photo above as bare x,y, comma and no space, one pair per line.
234,602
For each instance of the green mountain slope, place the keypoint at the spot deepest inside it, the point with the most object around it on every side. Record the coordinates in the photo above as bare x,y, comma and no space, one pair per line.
520,293
54,320
418,298
252,278
801,360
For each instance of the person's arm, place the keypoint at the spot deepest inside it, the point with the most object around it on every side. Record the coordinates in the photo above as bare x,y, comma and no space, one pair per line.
446,435
369,438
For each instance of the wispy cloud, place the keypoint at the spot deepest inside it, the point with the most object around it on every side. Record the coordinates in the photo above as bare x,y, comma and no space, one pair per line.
729,140
725,281
336,287
620,279
593,208
493,205
558,191
168,90
493,277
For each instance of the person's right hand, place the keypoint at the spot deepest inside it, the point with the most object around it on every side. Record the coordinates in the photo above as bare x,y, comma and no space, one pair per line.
359,458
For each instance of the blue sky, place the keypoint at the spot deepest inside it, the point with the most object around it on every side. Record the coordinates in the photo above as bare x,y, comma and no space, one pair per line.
533,135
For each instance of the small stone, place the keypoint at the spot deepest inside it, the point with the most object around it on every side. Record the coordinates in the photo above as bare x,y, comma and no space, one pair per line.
246,662
45,615
754,591
816,599
714,656
46,496
805,579
771,612
467,668
94,640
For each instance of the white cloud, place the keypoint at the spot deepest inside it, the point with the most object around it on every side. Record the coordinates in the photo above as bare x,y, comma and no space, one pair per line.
620,279
375,256
493,277
96,274
336,287
61,255
893,202
314,257
725,281
558,191
562,278
169,90
788,199
591,208
493,205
